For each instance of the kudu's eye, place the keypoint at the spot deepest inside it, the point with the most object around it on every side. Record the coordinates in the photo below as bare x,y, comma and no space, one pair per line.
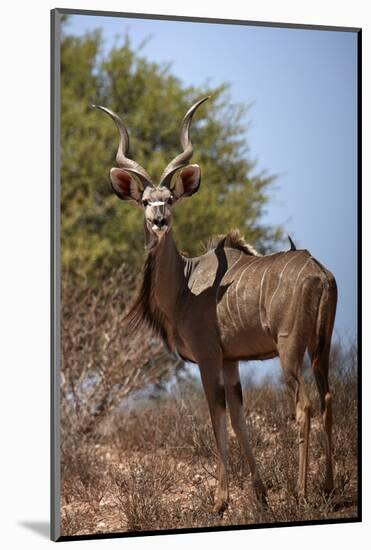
170,199
145,203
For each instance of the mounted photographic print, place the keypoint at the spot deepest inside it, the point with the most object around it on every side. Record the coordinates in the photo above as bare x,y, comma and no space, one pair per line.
205,336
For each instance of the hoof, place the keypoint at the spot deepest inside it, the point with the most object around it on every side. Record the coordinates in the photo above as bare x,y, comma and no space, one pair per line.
261,493
302,497
328,489
220,507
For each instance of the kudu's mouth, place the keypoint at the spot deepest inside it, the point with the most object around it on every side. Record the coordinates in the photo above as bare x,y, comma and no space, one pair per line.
159,227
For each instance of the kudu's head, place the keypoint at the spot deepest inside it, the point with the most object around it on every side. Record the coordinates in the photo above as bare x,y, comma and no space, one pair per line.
131,182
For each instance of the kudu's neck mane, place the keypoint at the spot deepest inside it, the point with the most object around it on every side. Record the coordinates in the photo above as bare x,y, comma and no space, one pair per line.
161,279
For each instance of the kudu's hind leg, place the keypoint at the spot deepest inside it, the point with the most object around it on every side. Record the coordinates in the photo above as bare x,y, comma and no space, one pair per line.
235,402
213,384
320,365
292,364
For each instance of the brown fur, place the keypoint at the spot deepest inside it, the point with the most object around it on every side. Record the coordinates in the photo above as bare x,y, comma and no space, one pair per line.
210,312
141,313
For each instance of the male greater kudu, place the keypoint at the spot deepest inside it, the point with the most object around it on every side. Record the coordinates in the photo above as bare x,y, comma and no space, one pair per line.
229,304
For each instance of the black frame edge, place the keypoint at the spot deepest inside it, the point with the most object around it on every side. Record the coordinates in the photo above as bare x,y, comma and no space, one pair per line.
54,273
225,528
359,263
193,19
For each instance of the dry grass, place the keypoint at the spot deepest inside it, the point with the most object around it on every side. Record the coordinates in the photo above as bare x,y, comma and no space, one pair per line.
101,363
152,466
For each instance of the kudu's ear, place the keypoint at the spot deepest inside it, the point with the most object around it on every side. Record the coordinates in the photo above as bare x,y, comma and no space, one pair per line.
124,185
188,181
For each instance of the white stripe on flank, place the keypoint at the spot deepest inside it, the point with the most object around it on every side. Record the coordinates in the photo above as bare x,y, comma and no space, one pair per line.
234,263
239,280
298,275
264,326
279,282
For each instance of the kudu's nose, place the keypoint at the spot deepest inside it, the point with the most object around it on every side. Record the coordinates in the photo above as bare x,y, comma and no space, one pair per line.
159,221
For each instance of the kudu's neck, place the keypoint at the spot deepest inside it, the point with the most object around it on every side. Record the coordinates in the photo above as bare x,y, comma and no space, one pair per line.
167,273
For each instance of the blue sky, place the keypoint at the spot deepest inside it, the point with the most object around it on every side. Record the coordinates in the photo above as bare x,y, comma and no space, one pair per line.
302,123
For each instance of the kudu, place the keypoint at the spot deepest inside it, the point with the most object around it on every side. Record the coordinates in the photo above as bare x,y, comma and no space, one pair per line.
227,305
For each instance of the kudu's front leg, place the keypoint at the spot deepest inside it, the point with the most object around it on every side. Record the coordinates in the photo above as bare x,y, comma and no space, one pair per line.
235,402
212,381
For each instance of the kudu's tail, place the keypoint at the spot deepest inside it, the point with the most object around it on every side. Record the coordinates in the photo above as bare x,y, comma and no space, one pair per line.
321,342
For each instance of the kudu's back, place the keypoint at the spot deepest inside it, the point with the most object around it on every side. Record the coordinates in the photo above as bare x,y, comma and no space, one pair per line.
259,300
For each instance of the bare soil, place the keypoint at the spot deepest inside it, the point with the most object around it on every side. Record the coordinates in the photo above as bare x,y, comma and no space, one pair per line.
152,466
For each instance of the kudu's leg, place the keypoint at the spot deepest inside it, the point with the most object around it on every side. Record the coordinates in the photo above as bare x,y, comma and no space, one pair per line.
213,384
235,403
291,357
320,365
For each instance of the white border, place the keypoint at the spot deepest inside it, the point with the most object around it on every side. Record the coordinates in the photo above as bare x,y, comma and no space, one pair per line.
24,283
